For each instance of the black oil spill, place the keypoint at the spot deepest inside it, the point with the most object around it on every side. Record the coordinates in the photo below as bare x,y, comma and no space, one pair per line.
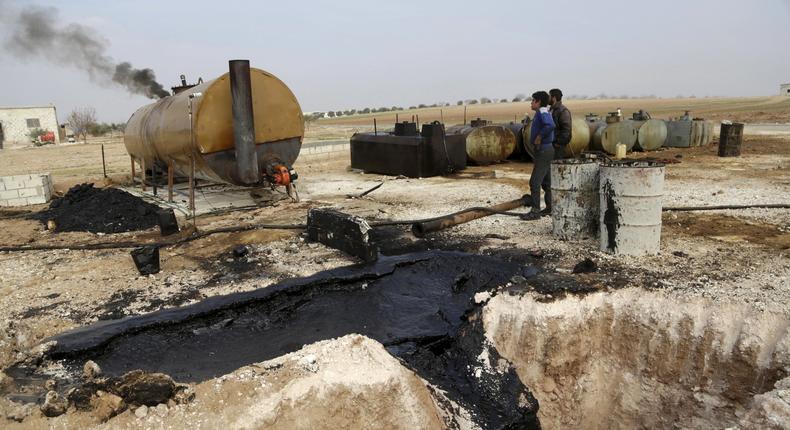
420,306
611,218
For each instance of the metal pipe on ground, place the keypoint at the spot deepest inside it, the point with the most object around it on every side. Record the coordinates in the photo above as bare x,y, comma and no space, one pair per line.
243,126
420,229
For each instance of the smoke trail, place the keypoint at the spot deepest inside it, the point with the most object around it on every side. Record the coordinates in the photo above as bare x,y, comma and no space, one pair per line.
34,35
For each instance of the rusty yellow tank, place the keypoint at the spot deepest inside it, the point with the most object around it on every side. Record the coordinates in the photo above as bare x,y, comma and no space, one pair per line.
486,144
165,132
580,137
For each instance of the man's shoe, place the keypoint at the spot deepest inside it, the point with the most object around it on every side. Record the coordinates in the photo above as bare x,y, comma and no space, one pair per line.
545,212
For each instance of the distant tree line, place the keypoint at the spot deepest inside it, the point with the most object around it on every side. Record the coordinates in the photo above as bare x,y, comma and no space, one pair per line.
100,129
520,97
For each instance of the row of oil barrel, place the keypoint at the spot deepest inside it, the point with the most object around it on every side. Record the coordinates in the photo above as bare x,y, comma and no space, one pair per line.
489,143
618,202
644,133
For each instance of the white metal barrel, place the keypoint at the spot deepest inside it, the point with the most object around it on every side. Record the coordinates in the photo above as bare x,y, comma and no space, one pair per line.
630,207
574,199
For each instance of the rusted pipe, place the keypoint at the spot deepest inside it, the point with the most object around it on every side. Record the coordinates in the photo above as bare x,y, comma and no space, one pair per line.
243,127
420,229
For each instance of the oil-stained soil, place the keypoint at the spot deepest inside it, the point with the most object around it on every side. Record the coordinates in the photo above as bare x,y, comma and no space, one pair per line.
729,229
420,306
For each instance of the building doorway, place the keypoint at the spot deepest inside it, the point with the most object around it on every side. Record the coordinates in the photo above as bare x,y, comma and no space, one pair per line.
2,135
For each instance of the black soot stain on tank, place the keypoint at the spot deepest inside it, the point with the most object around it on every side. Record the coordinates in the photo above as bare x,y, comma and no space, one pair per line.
420,306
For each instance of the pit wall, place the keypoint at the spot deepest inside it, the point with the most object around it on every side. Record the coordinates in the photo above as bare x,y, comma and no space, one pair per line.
23,190
636,359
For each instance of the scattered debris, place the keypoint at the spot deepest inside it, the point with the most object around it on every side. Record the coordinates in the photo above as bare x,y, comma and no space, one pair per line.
141,412
18,413
341,231
91,370
106,405
142,388
585,266
240,251
167,222
359,196
53,405
146,259
680,254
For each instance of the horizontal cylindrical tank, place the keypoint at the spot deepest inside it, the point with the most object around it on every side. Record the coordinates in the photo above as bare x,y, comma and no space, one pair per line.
574,199
486,144
650,135
165,131
608,135
580,137
701,132
630,207
517,128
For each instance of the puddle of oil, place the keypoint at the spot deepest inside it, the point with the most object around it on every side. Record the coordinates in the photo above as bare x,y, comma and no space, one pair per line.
420,306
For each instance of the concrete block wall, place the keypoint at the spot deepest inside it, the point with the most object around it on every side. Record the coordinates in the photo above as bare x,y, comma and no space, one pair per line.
23,190
331,149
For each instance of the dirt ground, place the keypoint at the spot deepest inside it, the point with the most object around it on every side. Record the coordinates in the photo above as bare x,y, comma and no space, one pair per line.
716,260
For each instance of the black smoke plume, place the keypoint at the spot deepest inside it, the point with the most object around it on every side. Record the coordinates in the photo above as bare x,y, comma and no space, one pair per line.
33,34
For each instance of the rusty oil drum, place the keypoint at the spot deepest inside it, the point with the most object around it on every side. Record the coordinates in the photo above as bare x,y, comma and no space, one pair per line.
574,198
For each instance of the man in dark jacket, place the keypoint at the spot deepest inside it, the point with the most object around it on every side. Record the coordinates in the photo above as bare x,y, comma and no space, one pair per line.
562,122
542,139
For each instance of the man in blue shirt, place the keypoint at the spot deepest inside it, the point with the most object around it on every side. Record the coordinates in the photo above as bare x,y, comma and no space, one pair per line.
542,137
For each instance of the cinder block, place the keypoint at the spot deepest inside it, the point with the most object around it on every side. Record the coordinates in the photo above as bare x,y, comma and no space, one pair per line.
13,184
17,202
3,203
35,181
9,194
2,186
37,200
31,192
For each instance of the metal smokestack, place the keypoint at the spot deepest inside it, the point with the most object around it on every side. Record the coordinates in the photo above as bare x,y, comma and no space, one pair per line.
243,126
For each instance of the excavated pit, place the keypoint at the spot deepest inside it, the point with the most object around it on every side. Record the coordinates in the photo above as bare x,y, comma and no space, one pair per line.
421,307
637,359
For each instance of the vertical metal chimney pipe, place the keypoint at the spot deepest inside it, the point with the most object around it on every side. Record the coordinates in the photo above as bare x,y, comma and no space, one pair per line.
243,126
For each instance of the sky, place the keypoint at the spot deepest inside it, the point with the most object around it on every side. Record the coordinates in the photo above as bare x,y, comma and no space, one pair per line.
338,55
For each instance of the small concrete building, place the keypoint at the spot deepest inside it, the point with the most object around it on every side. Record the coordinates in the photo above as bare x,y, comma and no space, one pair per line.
16,123
784,90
